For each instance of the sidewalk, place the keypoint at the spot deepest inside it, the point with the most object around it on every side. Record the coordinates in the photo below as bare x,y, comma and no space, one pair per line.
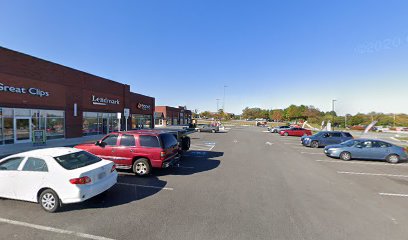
6,150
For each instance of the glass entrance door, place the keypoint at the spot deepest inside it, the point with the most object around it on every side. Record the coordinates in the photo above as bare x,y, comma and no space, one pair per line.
22,130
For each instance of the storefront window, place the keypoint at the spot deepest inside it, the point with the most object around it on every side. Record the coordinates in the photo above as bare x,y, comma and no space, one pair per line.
175,121
52,121
99,123
8,130
141,121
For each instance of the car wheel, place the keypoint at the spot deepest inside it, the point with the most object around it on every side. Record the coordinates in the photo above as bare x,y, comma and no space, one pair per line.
286,134
141,167
213,131
314,144
49,201
393,158
345,156
198,130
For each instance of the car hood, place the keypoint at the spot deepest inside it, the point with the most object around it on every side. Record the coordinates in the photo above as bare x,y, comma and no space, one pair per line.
84,146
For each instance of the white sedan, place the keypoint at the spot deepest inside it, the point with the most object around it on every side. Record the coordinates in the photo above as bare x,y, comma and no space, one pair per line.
55,176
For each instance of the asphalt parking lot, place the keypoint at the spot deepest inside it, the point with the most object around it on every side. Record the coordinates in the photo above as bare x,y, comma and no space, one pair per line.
244,184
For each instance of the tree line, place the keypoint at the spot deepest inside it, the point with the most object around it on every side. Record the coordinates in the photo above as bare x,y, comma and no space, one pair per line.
314,115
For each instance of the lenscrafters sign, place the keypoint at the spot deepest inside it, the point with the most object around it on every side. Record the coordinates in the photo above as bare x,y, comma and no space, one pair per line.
143,107
22,90
104,101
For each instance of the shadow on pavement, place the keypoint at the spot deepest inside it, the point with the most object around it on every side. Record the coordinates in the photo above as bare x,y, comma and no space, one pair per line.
193,162
128,189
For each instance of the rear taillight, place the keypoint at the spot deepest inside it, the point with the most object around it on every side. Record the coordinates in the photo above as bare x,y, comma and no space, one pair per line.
162,155
113,168
82,180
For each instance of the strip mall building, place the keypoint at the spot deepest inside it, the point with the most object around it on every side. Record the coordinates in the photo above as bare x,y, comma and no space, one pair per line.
40,95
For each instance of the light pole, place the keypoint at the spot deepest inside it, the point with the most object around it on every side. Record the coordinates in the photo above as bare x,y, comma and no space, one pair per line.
218,101
223,101
334,100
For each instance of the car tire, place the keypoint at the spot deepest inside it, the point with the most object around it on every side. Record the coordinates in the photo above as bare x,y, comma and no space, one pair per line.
286,134
186,142
141,167
49,201
393,158
213,131
345,156
314,144
198,130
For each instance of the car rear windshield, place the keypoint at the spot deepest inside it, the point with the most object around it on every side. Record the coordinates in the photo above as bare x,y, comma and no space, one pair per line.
347,134
77,160
348,143
168,140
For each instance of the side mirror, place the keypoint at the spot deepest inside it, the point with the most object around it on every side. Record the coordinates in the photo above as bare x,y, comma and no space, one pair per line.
97,143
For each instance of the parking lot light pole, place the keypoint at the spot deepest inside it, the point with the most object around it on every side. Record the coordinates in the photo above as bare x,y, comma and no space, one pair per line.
334,100
223,101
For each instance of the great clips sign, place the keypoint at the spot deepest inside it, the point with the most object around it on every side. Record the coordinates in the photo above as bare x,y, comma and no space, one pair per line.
104,101
23,90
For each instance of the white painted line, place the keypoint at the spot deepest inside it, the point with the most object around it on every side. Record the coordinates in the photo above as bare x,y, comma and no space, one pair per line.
311,153
373,174
393,194
235,141
54,230
211,148
265,131
364,163
268,143
145,186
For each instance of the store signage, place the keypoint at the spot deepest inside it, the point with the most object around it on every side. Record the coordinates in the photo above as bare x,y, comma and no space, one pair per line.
104,101
143,106
126,112
39,137
21,90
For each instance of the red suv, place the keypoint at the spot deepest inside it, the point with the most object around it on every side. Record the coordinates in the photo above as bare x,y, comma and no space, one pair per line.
137,150
296,132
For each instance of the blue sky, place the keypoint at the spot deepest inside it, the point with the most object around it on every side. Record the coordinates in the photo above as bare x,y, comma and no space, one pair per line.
269,53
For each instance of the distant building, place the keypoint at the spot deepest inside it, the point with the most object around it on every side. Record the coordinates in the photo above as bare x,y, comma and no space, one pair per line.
171,116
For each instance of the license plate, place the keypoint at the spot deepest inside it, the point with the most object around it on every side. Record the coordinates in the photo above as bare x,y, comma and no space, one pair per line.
101,175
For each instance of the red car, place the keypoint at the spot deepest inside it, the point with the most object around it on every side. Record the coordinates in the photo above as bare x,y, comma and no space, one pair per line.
296,132
137,150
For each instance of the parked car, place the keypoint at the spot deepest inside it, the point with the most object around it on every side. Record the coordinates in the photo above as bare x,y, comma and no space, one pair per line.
207,128
325,138
55,176
295,132
278,129
367,149
139,150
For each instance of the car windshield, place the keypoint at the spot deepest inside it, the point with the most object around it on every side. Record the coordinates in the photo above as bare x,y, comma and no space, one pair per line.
77,160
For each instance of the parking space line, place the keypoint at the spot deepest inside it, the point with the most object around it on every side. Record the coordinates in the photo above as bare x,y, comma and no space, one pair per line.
54,230
144,186
362,162
373,174
394,194
312,153
211,148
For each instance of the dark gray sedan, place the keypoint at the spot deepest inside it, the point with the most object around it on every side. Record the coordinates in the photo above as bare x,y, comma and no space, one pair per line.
207,128
367,149
325,138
